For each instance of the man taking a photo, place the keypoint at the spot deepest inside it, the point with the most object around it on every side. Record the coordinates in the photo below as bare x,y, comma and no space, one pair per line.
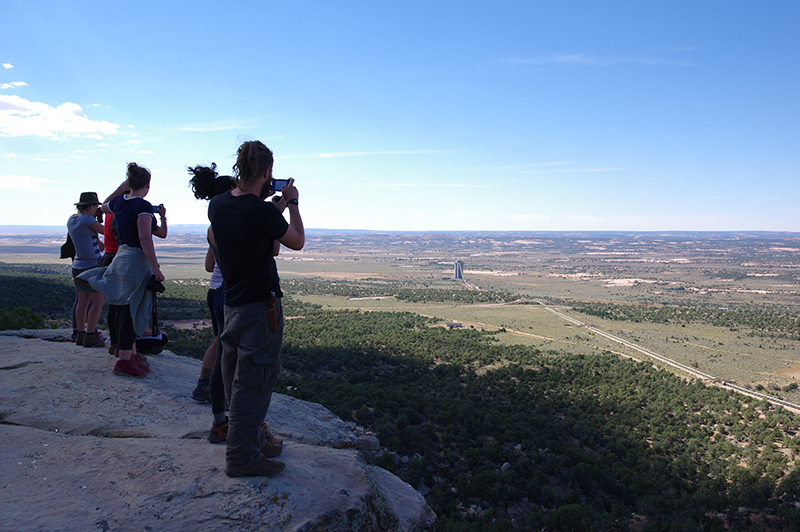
248,233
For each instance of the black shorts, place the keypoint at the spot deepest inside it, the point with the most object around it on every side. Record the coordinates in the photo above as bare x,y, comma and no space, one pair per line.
83,287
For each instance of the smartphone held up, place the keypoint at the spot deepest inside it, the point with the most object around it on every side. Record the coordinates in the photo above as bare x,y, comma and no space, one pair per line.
278,184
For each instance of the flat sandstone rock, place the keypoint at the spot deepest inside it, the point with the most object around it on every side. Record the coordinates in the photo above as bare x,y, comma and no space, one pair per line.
84,449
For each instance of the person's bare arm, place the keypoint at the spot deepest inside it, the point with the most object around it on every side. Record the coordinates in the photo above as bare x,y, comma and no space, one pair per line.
280,203
161,230
295,236
143,224
209,261
209,255
121,189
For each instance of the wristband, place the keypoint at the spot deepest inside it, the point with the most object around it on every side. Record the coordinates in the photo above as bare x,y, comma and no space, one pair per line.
292,202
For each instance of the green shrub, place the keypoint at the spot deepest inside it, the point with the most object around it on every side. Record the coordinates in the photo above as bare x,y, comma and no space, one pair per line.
20,318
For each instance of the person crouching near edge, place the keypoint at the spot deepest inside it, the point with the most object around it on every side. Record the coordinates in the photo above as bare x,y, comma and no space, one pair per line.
83,228
247,231
125,281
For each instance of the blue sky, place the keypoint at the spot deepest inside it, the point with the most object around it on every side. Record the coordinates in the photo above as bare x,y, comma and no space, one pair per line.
650,116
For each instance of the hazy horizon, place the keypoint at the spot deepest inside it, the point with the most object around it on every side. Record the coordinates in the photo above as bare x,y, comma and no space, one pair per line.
11,230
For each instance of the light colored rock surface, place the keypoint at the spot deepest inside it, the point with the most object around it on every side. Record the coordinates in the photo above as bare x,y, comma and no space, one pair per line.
84,449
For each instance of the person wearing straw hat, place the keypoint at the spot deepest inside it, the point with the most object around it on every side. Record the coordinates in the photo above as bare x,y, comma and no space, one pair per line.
83,228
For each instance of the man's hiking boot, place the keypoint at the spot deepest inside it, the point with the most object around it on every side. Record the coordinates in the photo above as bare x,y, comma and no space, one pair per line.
263,468
218,433
80,338
270,450
91,339
271,447
269,437
126,368
201,392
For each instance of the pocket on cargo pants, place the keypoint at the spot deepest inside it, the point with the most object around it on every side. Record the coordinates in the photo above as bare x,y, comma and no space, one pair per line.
266,355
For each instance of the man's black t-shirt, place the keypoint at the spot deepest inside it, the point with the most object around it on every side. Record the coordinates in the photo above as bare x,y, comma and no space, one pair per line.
245,229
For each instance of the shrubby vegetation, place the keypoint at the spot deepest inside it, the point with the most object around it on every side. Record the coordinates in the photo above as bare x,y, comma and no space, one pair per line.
20,318
189,342
509,437
544,441
183,300
46,290
460,296
762,321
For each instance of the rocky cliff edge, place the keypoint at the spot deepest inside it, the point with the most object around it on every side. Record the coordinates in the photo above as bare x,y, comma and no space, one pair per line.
84,449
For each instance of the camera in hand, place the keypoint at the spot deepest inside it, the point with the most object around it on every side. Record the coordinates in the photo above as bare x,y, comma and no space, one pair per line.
156,207
155,286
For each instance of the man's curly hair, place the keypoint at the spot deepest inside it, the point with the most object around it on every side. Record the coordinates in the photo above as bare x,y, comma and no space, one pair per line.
252,159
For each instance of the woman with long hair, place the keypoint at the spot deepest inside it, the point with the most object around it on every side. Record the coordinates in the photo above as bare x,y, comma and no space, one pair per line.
125,282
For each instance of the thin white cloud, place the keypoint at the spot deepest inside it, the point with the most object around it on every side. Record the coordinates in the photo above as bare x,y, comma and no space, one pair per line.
553,167
93,136
586,59
573,171
134,142
8,65
334,155
13,84
20,117
427,185
220,125
22,182
11,154
364,153
514,167
713,198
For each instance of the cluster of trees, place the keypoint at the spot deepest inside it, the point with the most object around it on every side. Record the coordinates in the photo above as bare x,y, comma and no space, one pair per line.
45,290
762,321
508,437
20,318
43,295
503,436
461,296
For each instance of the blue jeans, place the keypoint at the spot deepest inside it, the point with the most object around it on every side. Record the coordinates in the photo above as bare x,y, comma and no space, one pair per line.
251,362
